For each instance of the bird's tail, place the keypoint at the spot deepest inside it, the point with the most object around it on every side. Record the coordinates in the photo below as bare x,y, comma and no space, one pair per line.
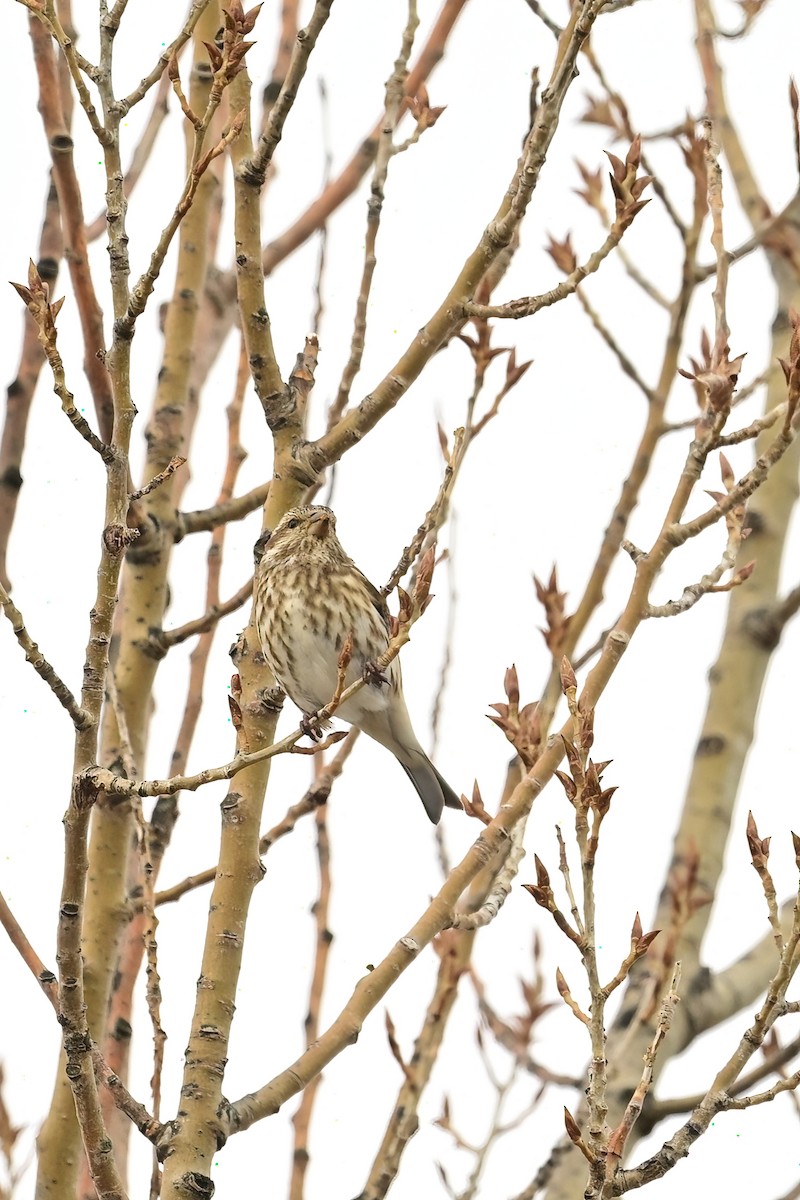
434,791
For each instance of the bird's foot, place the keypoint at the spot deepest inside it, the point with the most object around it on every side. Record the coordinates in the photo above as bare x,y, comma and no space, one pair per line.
311,726
373,675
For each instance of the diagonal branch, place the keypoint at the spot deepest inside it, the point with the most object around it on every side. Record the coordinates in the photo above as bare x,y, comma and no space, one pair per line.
496,237
338,190
317,794
256,168
80,718
202,520
173,637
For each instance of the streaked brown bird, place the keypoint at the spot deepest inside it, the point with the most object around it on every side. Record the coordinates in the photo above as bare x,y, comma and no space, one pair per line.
308,597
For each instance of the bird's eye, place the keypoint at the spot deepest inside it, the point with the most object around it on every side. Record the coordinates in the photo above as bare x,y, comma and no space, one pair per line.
293,523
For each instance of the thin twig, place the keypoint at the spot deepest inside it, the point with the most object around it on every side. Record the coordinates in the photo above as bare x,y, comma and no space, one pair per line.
33,655
629,130
37,301
393,108
548,22
626,364
176,461
143,288
434,516
171,51
301,1120
143,1120
16,935
316,795
620,1135
140,158
173,637
305,43
347,181
528,306
46,13
204,519
327,166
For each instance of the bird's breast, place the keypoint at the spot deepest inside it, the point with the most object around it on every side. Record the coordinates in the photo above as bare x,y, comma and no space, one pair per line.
303,623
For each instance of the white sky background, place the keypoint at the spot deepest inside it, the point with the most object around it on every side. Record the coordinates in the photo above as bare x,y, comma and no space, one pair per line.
538,487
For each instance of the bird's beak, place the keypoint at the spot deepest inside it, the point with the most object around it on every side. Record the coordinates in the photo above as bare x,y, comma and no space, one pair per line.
260,546
320,523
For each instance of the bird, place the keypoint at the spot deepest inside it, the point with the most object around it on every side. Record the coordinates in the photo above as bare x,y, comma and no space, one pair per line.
308,597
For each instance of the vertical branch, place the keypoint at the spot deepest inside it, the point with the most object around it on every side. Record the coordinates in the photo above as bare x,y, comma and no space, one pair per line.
112,825
140,931
394,105
302,1118
454,948
200,1127
283,57
165,812
714,176
79,1068
196,1132
70,204
145,585
20,391
84,984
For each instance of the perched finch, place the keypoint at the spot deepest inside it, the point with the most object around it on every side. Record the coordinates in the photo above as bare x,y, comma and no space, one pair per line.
308,597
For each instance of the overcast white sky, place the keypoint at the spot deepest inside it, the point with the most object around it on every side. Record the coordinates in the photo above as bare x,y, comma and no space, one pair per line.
537,487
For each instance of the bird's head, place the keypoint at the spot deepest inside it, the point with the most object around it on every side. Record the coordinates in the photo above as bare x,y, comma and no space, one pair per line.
306,534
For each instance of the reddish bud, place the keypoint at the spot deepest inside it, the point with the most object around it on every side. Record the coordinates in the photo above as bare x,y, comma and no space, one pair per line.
511,686
571,1126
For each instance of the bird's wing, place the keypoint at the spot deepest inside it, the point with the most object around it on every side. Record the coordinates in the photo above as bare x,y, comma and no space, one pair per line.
377,600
